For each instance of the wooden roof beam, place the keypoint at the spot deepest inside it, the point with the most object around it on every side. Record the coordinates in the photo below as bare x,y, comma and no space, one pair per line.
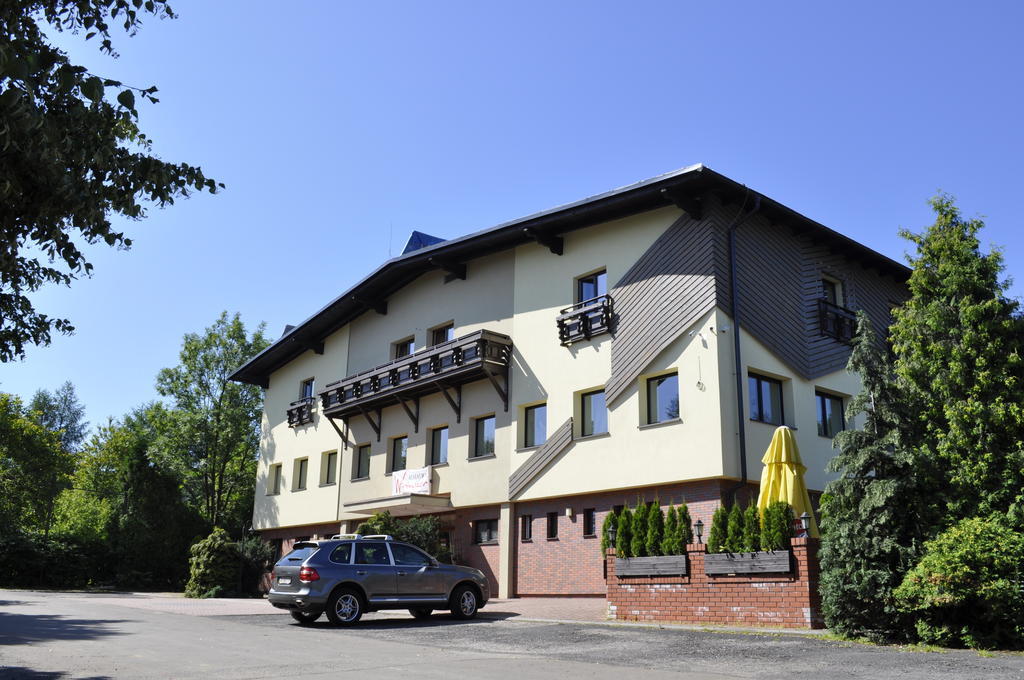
556,244
689,204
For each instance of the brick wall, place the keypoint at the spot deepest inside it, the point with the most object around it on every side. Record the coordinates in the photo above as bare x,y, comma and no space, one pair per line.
485,557
783,600
573,564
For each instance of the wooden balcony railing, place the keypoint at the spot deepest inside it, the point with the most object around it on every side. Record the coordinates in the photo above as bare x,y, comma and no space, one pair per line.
836,322
300,412
585,319
476,356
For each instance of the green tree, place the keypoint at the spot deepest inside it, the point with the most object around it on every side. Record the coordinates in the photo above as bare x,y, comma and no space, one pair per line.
34,469
670,544
655,529
211,436
61,411
777,526
214,566
958,345
876,512
72,159
610,520
734,531
751,529
624,536
685,526
719,530
638,546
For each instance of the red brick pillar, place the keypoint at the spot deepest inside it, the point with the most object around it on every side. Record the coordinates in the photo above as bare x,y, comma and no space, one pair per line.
808,574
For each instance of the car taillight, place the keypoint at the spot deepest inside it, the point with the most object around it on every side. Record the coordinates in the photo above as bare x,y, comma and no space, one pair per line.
273,574
308,574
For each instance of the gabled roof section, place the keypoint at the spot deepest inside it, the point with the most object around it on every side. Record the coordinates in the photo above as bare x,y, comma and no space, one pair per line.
682,188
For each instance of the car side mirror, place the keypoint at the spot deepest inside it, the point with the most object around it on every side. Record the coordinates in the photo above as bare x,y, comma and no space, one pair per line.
434,562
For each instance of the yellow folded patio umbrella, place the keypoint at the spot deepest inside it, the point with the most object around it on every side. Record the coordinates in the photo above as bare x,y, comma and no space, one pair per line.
782,478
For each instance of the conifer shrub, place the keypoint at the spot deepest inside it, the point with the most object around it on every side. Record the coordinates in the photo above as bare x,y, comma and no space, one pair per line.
734,530
214,566
777,526
685,527
751,529
655,529
719,530
638,546
670,539
624,537
610,520
966,588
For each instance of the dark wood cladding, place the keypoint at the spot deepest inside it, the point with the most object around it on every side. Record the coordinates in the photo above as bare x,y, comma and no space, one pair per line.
559,440
777,562
667,565
670,287
477,356
300,412
585,319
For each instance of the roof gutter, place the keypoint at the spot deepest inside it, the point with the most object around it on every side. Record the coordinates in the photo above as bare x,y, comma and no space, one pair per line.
734,293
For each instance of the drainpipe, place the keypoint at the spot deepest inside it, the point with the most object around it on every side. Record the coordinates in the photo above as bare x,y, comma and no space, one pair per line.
741,425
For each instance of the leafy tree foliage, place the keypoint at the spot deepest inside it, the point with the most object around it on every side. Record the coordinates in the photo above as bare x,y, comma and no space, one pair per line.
211,435
624,535
777,526
966,589
214,566
34,469
719,530
72,158
751,529
61,411
734,531
638,546
655,529
610,520
685,526
958,343
670,544
874,514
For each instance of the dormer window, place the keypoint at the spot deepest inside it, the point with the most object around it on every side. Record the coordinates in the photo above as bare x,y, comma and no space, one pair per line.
832,291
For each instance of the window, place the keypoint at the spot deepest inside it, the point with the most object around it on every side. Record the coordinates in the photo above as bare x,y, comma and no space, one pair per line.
589,522
329,467
361,467
830,414
299,476
552,526
591,286
306,391
274,480
342,554
403,348
832,291
593,414
408,556
526,528
439,446
535,425
765,399
485,531
442,334
483,440
663,398
399,450
372,553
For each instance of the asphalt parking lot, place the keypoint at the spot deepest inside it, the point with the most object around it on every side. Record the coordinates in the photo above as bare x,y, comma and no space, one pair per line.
74,635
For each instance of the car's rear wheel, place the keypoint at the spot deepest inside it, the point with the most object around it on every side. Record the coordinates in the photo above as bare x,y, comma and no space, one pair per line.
421,613
305,618
464,602
344,607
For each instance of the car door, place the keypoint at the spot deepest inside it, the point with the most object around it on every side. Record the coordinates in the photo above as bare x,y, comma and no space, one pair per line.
416,577
374,570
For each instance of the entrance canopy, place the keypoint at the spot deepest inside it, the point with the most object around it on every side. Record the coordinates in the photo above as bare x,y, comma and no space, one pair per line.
402,505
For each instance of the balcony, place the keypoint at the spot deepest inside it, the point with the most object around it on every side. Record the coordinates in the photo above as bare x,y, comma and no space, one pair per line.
585,319
300,412
836,322
448,366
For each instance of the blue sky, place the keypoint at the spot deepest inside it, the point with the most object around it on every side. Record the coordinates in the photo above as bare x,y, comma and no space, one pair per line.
340,128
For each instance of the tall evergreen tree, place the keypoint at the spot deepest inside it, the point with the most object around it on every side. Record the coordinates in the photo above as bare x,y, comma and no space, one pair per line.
719,530
685,526
751,529
958,343
624,535
638,547
655,528
875,513
670,540
734,532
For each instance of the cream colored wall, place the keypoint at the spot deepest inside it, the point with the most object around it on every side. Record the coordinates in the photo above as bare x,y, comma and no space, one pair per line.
483,300
799,409
283,444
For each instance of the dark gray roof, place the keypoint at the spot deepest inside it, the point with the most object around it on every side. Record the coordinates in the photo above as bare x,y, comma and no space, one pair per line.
657,192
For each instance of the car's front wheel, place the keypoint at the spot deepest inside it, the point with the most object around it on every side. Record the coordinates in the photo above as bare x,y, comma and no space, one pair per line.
421,613
344,607
306,618
464,602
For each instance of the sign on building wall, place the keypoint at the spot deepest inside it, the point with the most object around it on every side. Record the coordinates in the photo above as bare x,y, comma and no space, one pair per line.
410,481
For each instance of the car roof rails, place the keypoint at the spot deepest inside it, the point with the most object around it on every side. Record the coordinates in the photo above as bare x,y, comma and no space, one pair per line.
382,537
345,537
357,537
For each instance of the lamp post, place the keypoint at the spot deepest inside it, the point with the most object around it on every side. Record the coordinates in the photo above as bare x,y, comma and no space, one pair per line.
699,528
612,530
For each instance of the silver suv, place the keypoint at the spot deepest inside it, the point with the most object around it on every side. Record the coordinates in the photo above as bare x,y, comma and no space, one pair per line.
351,574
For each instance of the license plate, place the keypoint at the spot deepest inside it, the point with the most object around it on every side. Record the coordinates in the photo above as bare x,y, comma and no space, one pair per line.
284,581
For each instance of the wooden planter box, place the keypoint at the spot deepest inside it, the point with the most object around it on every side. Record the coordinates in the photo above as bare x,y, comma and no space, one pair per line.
747,563
666,565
